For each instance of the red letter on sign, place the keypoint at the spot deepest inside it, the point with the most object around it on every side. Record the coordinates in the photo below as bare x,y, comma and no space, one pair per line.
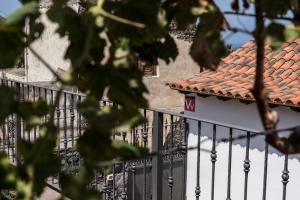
189,104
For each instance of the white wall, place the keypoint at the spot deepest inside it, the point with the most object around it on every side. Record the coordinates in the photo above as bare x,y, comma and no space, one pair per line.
235,113
50,47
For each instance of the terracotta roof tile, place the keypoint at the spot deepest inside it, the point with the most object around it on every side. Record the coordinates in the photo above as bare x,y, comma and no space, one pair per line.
235,75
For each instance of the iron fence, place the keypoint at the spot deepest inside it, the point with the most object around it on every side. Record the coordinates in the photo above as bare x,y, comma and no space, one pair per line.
160,175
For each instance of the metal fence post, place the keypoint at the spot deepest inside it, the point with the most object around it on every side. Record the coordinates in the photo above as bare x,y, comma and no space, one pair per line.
157,161
18,127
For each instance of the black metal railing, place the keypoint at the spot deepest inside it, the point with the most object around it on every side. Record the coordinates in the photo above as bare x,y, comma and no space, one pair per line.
160,175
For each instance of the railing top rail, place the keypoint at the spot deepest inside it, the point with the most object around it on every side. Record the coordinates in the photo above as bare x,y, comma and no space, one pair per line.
154,110
226,125
42,87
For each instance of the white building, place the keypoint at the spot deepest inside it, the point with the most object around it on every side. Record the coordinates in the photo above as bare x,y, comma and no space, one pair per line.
223,96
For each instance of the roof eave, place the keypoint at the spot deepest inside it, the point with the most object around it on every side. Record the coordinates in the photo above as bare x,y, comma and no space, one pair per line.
181,90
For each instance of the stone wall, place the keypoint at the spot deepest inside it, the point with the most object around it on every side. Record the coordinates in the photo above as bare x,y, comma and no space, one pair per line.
160,95
52,48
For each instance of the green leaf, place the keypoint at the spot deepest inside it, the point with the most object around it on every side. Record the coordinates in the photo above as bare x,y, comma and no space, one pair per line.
31,112
275,8
184,13
165,49
125,150
208,48
7,103
11,46
275,35
7,173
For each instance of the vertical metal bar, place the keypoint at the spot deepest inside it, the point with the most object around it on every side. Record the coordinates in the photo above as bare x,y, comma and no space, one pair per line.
51,103
51,97
157,162
65,130
72,117
5,134
39,92
184,152
246,166
34,129
213,157
131,136
96,180
229,165
114,182
171,179
124,196
22,100
197,189
18,129
285,176
46,100
58,123
9,133
79,118
265,171
2,137
145,137
104,186
133,168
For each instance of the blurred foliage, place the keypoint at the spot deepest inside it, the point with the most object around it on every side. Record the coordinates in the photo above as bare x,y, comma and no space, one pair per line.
105,38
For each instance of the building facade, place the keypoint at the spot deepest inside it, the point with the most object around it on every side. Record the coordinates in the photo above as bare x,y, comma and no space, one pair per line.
224,96
52,47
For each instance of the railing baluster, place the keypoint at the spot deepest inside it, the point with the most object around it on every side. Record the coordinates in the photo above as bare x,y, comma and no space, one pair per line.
18,129
265,171
124,196
213,157
171,179
133,168
34,129
72,117
22,100
79,118
2,137
197,190
157,161
184,152
104,189
246,166
285,176
229,165
145,137
133,165
114,182
5,134
136,136
65,130
46,100
58,124
9,133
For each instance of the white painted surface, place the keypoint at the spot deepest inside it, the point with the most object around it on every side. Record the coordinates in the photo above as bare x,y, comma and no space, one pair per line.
51,47
235,113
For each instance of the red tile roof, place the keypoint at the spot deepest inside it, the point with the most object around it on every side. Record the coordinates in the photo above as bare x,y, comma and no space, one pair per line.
235,75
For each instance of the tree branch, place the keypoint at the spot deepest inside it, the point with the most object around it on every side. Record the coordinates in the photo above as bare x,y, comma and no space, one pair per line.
268,117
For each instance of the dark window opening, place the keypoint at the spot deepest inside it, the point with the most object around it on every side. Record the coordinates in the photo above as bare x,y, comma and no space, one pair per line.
148,69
